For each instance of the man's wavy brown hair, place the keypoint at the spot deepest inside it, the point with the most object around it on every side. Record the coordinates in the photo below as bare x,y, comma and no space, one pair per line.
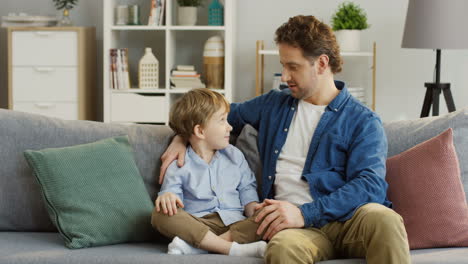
313,37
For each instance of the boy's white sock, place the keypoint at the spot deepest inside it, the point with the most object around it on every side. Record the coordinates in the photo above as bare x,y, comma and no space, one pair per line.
256,249
180,247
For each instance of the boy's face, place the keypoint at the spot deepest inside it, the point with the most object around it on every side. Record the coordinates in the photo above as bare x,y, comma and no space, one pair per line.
217,130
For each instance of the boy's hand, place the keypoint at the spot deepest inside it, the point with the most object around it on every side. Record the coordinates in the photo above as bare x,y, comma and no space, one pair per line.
176,150
168,203
249,209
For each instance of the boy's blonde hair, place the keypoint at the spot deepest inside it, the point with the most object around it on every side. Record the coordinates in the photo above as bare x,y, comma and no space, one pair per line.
195,107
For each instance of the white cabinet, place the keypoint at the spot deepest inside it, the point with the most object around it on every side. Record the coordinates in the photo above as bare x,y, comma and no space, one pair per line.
172,45
50,71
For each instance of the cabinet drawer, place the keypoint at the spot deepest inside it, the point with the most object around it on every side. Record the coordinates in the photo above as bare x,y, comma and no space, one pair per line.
68,111
39,48
45,84
138,108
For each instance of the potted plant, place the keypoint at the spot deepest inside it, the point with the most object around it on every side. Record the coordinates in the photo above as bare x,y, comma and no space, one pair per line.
187,12
66,5
347,22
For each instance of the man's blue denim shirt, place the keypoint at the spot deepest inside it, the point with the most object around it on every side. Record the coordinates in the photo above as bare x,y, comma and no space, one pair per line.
345,165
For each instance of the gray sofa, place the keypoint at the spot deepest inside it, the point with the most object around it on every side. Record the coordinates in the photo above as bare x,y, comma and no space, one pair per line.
28,236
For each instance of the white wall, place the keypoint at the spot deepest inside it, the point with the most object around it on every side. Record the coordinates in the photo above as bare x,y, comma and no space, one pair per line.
401,73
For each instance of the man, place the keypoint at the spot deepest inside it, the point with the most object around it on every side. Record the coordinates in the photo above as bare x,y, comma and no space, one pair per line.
323,158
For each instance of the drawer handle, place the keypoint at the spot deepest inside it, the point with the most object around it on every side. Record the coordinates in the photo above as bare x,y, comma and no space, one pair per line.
44,69
43,33
44,105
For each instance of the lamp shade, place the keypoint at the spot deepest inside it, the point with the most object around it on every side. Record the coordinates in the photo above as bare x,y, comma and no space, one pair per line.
436,24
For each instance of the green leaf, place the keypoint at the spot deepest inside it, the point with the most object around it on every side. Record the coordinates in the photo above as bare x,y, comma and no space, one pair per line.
65,4
349,16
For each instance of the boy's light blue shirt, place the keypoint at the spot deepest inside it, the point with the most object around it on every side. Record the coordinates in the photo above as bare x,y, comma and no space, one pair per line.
225,185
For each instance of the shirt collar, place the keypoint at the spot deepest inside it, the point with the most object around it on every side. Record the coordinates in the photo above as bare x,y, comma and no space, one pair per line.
195,157
337,103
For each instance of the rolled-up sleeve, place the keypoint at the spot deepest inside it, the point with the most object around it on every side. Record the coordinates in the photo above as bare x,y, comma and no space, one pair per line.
173,180
248,185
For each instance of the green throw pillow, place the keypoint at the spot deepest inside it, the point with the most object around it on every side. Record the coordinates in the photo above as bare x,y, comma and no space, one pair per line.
94,192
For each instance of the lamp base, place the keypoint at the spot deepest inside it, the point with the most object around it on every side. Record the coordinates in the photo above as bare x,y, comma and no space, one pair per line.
432,98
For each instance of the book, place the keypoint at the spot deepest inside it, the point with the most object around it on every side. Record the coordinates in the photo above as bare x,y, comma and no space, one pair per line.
161,15
125,72
153,11
183,76
119,70
177,72
185,67
195,83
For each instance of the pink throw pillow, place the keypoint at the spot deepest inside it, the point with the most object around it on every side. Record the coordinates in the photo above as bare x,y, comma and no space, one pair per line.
426,190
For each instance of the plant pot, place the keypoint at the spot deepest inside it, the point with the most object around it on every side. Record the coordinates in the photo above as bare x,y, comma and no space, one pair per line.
187,15
349,40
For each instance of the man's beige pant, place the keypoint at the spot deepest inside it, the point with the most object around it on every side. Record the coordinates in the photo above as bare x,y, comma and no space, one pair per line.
193,229
375,233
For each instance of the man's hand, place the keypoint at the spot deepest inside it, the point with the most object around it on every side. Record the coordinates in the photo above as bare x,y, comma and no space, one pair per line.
168,203
175,151
278,215
249,209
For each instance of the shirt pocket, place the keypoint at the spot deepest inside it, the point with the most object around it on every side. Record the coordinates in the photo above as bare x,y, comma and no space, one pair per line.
333,150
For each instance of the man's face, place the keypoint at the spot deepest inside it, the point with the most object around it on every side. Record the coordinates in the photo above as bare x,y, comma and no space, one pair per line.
217,130
298,71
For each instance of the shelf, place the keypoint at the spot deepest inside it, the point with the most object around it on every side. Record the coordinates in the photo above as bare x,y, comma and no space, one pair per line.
173,45
137,90
196,27
142,27
344,54
139,27
184,90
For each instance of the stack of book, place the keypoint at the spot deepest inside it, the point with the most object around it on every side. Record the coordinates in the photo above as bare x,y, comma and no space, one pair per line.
119,75
156,16
185,76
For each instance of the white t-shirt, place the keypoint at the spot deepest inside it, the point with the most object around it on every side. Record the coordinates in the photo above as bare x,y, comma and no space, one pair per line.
288,183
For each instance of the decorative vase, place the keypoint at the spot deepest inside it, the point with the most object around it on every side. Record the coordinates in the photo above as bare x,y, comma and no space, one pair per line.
187,15
349,40
215,14
65,21
213,61
148,71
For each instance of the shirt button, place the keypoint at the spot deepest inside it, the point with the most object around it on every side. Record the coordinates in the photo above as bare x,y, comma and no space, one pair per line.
269,177
336,109
285,130
292,108
212,188
276,151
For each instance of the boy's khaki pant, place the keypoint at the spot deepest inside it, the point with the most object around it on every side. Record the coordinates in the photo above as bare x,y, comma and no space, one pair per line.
192,229
375,232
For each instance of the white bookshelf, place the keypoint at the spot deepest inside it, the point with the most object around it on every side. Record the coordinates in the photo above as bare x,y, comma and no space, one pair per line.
172,45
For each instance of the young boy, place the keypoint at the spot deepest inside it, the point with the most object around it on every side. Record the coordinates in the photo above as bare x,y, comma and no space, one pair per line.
214,187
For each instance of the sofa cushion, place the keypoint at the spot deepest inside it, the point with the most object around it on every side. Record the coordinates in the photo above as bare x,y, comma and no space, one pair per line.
21,204
47,248
403,135
94,193
425,188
